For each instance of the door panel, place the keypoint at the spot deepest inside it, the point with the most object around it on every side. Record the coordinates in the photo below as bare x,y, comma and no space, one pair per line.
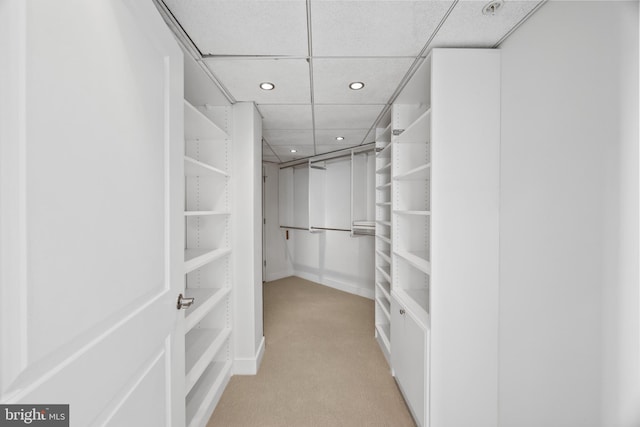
91,207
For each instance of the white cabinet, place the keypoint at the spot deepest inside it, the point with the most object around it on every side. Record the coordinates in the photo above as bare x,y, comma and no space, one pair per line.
444,233
409,358
208,358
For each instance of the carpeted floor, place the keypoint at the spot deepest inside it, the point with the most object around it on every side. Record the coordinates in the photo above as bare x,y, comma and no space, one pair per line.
321,367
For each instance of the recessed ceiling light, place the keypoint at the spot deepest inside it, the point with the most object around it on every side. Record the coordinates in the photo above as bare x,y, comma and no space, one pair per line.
267,86
293,150
356,85
339,138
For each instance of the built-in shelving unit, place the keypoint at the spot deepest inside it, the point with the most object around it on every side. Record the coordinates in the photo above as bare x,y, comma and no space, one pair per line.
444,204
206,264
383,252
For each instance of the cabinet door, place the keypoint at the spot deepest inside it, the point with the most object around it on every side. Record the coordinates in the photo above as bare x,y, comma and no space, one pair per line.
408,358
413,383
397,340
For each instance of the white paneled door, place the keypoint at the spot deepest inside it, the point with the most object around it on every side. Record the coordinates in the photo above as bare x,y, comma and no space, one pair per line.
91,146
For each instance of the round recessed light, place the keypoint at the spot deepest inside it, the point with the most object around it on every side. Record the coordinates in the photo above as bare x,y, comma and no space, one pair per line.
356,85
293,150
339,138
267,86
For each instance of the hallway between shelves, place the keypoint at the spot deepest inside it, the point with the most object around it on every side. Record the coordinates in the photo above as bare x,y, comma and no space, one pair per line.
322,365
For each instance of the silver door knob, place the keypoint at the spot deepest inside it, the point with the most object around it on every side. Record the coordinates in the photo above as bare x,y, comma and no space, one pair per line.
184,303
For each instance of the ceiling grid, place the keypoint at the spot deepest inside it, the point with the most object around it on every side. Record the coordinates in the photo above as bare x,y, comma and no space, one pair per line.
312,49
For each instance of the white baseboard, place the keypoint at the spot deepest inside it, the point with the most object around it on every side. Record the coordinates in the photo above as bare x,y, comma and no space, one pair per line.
352,289
249,366
278,275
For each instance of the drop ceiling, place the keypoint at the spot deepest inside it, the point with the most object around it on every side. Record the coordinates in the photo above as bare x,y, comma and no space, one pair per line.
312,49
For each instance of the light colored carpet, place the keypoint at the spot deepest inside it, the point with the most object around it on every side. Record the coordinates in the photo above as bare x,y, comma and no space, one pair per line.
322,365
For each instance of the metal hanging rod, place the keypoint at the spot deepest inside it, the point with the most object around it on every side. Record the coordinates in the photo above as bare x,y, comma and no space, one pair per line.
344,152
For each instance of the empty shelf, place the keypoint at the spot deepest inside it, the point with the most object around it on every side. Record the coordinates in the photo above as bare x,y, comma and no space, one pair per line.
386,186
385,152
387,223
201,347
416,258
418,131
204,213
384,169
385,289
402,212
205,299
383,204
193,167
198,126
383,238
384,256
385,307
384,331
205,394
196,258
385,271
418,173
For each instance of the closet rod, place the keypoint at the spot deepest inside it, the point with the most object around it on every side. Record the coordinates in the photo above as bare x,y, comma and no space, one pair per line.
294,228
343,152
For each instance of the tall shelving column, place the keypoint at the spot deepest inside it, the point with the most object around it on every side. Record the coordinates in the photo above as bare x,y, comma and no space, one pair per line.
383,240
208,358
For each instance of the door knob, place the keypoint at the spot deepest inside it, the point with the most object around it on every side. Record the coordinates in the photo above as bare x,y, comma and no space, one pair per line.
402,311
184,303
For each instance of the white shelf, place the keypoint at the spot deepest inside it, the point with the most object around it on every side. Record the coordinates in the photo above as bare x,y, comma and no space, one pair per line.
418,131
419,173
384,309
196,258
205,213
383,204
386,186
385,271
385,288
383,238
420,213
206,393
201,346
384,256
416,258
386,223
193,167
384,331
384,169
205,299
384,153
198,126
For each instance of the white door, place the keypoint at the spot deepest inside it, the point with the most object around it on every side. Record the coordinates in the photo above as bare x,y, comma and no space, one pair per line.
90,211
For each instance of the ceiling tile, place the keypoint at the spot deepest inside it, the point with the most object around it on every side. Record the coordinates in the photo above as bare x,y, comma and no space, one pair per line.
331,78
374,28
277,138
351,137
232,27
242,78
346,116
286,116
468,27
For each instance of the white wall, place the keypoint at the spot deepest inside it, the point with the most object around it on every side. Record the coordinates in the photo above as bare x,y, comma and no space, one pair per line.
277,252
569,218
332,258
247,237
335,259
